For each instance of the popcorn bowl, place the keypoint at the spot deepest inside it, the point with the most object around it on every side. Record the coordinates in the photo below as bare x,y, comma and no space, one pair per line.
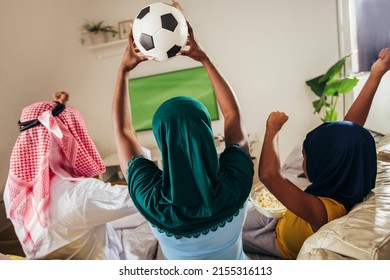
265,202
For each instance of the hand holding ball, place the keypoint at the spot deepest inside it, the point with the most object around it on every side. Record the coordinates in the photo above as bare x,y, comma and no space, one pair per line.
160,31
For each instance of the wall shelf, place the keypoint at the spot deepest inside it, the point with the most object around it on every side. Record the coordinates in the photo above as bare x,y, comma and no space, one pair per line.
109,49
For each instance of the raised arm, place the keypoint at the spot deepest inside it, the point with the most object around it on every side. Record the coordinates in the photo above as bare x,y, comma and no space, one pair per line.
361,106
307,206
126,140
233,129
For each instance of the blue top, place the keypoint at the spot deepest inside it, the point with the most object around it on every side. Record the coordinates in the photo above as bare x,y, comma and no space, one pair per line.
223,244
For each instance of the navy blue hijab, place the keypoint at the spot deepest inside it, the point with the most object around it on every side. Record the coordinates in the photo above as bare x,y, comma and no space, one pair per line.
340,162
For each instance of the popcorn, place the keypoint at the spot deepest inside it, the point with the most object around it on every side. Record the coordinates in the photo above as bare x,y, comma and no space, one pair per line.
267,200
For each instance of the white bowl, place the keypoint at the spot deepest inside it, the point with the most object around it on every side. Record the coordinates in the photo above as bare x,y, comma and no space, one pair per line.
272,212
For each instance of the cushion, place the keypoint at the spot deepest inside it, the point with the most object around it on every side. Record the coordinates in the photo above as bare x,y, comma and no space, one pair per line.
383,148
323,254
364,233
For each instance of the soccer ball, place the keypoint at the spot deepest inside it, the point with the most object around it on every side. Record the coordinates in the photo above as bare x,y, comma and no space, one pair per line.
160,31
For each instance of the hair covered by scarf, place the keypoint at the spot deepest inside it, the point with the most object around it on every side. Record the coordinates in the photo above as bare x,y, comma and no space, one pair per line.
60,143
340,162
182,128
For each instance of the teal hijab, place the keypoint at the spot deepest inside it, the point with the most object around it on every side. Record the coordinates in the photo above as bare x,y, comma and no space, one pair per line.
194,193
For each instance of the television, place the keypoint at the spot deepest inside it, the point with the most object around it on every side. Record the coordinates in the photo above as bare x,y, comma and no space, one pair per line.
149,92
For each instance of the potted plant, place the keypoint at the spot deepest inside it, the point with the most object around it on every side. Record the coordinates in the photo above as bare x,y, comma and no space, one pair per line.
328,88
97,32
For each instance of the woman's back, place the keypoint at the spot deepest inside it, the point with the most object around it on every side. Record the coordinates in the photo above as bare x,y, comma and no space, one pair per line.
223,244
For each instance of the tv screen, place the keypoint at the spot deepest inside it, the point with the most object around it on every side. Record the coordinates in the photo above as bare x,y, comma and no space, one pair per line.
148,93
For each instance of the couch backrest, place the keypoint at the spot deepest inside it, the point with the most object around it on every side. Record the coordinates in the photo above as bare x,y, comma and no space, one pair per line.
362,234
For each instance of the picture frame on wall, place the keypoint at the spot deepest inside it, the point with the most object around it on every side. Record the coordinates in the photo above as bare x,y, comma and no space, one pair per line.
123,28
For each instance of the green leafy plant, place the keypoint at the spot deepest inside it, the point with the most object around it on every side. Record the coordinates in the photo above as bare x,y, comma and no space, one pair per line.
96,27
328,88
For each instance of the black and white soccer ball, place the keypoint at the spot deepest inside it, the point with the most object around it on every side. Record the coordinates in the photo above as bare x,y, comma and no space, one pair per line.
160,31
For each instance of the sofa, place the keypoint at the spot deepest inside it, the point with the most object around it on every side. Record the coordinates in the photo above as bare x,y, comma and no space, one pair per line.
364,233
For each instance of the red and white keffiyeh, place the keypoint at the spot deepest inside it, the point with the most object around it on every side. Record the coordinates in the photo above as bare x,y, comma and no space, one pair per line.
60,143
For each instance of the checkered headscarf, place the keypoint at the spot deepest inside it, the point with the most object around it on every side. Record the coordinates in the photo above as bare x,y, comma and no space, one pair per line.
57,143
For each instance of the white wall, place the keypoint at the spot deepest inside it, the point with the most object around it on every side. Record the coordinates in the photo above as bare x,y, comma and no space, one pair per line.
265,48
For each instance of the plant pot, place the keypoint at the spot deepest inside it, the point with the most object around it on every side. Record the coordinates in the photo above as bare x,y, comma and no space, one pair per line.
98,38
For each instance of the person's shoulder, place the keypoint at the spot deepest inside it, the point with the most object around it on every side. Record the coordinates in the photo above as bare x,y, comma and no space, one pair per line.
141,162
81,187
94,183
235,149
334,208
236,158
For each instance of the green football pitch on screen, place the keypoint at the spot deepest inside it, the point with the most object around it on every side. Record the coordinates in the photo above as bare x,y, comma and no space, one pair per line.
148,93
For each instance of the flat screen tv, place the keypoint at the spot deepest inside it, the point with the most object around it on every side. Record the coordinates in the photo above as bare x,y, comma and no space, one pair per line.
148,93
